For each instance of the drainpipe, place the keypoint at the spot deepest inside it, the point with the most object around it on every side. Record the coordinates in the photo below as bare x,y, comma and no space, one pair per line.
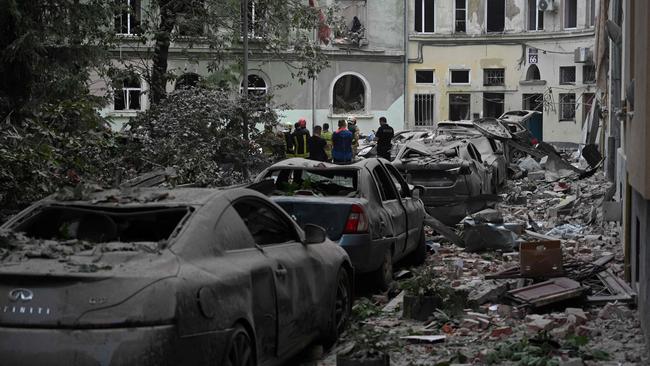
406,60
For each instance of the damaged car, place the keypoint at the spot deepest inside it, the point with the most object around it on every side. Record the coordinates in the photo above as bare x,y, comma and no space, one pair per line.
455,177
167,277
366,207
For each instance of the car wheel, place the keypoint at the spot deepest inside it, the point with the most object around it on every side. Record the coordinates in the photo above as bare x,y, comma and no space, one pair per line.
419,255
240,352
384,275
341,310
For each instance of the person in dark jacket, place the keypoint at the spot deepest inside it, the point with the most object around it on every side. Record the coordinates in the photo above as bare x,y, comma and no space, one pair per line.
317,146
342,143
300,139
384,137
288,141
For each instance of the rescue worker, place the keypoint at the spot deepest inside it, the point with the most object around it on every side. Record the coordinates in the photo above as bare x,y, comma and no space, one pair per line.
317,146
352,127
327,136
301,139
342,144
384,137
288,141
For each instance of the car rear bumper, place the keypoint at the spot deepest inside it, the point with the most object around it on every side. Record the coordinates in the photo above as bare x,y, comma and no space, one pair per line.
366,255
154,345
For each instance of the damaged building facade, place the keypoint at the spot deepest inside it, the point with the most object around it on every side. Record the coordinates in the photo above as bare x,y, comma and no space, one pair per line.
480,58
365,79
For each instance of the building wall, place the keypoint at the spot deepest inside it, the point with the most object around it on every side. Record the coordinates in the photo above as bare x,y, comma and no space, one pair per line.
476,50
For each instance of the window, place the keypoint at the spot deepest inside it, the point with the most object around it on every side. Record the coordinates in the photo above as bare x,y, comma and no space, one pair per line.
424,76
187,80
127,19
127,96
459,107
533,102
535,16
324,182
567,107
591,21
386,188
256,86
265,224
425,16
567,75
400,185
460,24
424,109
349,95
496,15
493,104
589,74
570,14
256,18
587,103
493,77
459,77
533,73
188,19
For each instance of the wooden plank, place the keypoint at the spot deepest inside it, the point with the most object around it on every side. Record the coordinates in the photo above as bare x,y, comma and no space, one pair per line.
541,236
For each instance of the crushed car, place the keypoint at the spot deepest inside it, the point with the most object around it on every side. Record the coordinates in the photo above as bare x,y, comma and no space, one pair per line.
366,207
166,277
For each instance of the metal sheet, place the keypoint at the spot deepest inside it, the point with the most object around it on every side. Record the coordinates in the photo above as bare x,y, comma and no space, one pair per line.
541,259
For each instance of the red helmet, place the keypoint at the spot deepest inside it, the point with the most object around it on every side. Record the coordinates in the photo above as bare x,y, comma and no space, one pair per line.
302,122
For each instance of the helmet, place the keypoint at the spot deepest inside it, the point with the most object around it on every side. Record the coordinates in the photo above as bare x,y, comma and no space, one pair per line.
302,122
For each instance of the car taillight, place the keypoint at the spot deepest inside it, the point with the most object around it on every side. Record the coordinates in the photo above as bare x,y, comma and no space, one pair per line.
534,141
357,221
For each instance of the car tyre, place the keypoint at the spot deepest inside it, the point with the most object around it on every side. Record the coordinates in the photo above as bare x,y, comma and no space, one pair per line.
240,350
419,255
342,309
384,274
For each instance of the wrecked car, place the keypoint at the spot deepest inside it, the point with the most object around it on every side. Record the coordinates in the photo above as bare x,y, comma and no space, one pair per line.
519,123
366,207
369,149
167,277
455,177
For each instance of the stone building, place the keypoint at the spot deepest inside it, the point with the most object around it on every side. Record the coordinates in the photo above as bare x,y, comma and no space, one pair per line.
479,58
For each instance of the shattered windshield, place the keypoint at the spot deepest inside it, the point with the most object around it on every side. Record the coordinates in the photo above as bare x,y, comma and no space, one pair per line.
320,182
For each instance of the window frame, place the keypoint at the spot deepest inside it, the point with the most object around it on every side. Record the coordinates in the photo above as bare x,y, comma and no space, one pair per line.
538,14
566,19
131,30
487,13
430,97
126,91
291,227
584,74
381,186
366,96
469,104
469,77
456,17
486,77
433,77
423,13
561,72
563,104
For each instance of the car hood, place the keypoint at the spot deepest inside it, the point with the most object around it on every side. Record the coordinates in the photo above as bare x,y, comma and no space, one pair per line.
107,289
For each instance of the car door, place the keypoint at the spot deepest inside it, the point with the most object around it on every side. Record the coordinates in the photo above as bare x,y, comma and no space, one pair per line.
413,207
296,271
393,206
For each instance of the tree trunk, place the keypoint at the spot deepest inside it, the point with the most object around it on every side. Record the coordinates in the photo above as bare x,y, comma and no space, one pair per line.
161,50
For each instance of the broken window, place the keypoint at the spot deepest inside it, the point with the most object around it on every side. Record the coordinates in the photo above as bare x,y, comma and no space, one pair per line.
567,107
589,74
102,225
535,16
425,16
256,18
127,94
266,225
459,76
496,15
256,86
493,77
424,76
567,75
127,18
349,95
459,107
386,187
493,104
424,109
587,103
460,24
532,73
570,13
326,182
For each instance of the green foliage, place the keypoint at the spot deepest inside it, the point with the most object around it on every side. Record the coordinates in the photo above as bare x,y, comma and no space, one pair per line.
364,308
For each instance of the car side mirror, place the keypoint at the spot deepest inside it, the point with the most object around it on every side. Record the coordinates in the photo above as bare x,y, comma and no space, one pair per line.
417,192
314,234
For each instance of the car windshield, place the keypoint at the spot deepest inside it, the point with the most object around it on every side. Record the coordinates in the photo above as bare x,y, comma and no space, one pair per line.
102,225
321,182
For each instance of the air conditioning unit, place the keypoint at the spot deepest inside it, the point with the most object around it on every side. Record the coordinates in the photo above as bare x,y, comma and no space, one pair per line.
582,55
546,5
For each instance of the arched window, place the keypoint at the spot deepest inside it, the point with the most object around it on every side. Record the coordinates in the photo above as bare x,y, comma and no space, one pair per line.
349,95
187,80
256,86
533,73
127,94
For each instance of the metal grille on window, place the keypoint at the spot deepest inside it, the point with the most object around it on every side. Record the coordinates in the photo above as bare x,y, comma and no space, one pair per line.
589,74
567,107
493,77
567,75
424,109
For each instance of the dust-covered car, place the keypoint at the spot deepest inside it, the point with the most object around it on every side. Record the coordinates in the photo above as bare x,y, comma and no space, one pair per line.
456,179
166,277
366,207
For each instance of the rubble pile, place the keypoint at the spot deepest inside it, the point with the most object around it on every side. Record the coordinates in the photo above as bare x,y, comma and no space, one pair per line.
540,278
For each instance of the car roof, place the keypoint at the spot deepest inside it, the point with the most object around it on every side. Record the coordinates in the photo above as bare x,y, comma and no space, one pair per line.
141,197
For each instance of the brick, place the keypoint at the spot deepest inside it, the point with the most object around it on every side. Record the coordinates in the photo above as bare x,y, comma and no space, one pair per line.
500,332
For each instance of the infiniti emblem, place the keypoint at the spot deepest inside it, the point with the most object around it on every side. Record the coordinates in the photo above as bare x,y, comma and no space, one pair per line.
21,294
